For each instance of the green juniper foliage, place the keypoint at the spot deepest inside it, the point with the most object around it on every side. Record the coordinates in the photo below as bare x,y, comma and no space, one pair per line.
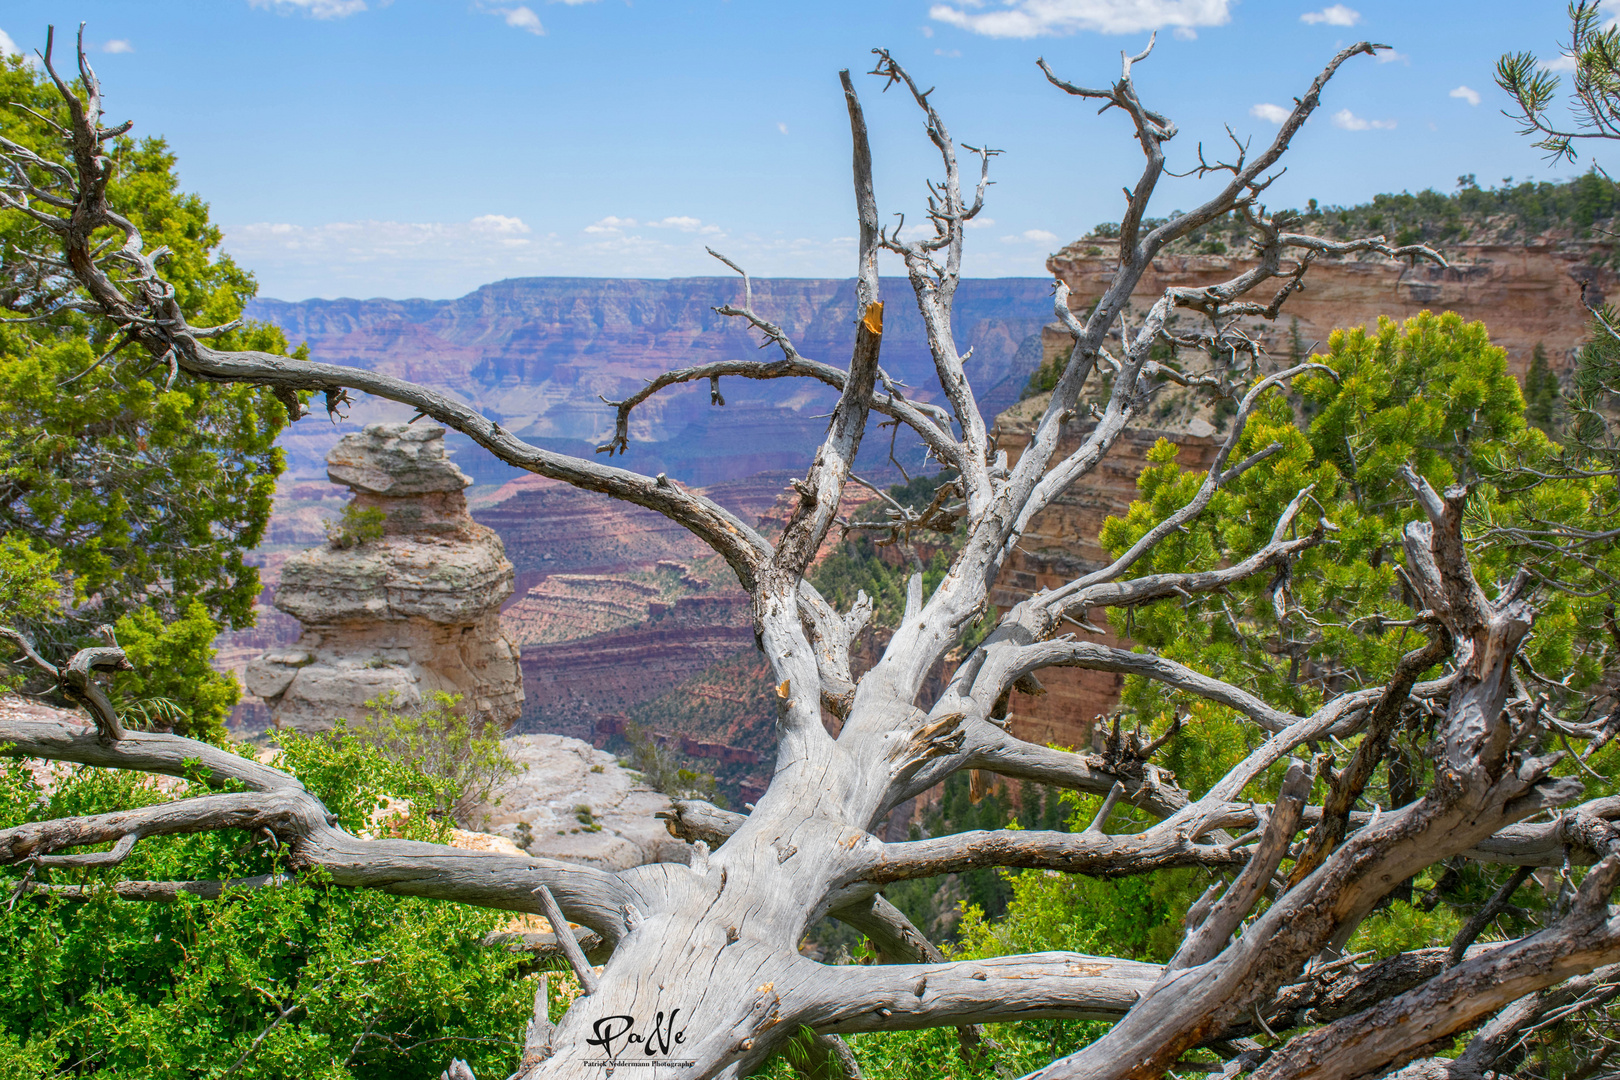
121,492
1541,394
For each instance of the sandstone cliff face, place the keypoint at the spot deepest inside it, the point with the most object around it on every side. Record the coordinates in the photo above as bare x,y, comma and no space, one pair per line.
1061,544
1524,293
411,612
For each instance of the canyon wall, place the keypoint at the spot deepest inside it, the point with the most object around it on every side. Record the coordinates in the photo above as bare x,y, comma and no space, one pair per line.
619,612
538,354
1524,293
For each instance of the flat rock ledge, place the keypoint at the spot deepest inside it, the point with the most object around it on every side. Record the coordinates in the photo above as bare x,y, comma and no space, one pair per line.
577,803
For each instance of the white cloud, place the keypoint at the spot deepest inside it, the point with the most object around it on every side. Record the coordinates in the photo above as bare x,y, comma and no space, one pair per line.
1470,96
319,9
611,224
687,225
1031,236
927,31
617,226
1042,18
118,45
980,222
948,53
9,48
1349,121
520,18
574,3
1185,33
499,225
446,259
1390,56
781,126
1271,114
1559,66
1333,15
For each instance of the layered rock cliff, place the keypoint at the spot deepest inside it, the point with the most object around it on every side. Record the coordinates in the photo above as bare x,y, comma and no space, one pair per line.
536,353
407,603
1525,293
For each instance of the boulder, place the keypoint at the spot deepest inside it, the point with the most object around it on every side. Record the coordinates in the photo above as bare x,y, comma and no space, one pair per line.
414,610
577,803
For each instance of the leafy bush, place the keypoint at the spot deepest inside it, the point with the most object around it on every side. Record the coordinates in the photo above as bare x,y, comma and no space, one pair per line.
445,763
174,684
301,979
662,771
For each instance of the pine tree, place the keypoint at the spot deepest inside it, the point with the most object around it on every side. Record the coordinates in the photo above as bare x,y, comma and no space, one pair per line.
1541,393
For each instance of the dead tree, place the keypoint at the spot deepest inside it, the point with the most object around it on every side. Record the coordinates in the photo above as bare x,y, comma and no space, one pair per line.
713,941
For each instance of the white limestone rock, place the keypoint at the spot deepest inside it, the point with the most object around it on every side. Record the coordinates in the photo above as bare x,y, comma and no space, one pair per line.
563,778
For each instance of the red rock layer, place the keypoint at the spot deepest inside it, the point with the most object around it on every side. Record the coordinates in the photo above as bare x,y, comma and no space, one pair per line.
1524,293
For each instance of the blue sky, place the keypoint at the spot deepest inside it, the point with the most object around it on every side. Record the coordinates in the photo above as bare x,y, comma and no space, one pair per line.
424,147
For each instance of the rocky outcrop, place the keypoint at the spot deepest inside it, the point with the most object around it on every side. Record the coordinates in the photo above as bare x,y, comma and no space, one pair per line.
1524,293
407,612
574,802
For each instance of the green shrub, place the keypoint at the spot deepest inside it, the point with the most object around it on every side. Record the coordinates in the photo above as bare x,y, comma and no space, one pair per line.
358,525
373,986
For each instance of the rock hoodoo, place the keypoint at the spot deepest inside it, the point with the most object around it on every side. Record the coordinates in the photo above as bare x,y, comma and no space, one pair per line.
412,610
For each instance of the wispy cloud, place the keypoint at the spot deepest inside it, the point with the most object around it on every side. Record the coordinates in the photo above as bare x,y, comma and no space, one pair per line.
1051,18
1559,65
317,9
1470,96
445,259
117,45
1390,56
613,225
1271,114
1332,15
1031,236
1349,121
686,224
9,48
948,53
781,125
